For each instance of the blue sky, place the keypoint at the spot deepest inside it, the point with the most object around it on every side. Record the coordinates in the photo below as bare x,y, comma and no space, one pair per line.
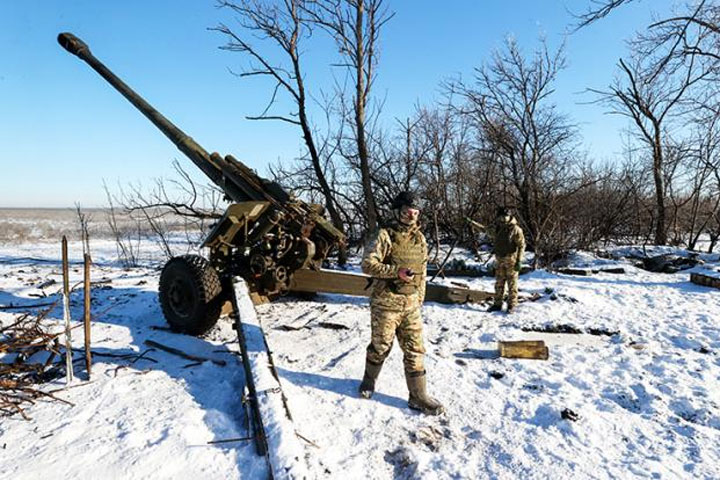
63,129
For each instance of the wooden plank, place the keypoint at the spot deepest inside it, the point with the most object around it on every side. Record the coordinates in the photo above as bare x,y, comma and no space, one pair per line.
451,295
530,349
615,270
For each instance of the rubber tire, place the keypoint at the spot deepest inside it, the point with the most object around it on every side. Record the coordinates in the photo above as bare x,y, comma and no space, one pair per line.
190,294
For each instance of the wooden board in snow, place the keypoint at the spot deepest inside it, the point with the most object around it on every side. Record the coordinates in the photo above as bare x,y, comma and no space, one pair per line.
705,280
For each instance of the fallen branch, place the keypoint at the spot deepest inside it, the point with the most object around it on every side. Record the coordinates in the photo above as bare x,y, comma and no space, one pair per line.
143,357
307,440
180,353
127,356
226,440
194,364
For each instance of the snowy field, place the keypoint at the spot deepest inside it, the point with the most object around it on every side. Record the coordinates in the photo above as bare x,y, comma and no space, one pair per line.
645,384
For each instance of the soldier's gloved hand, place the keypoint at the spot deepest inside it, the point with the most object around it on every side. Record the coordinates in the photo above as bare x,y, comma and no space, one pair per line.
405,274
518,266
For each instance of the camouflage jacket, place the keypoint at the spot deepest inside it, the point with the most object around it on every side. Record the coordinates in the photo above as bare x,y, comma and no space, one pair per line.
508,240
380,263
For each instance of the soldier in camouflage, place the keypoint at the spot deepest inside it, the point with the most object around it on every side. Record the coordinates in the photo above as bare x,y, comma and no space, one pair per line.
508,246
396,259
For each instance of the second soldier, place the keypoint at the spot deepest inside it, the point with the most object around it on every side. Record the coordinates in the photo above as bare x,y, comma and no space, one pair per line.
509,246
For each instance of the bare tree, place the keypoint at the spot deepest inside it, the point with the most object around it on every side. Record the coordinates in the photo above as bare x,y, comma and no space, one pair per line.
694,31
704,196
84,221
161,212
282,25
533,143
673,30
650,97
127,241
598,9
674,67
355,25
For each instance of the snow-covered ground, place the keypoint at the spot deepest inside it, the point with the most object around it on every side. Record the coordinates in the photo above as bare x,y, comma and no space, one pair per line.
647,397
149,419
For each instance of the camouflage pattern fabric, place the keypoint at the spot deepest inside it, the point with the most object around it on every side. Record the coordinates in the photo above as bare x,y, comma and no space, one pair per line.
508,238
407,325
378,262
505,273
509,246
396,311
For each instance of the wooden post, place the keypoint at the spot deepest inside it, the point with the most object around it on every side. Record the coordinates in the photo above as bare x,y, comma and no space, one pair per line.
66,311
88,355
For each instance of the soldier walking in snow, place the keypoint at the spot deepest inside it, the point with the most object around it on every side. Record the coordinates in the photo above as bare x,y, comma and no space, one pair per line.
397,259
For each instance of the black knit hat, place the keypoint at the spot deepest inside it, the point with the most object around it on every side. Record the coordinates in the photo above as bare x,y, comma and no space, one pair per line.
503,211
403,199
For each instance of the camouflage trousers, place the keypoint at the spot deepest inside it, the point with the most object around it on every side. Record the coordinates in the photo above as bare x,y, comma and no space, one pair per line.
407,325
505,273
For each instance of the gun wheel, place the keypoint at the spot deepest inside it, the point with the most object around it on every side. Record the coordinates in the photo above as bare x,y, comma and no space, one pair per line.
190,294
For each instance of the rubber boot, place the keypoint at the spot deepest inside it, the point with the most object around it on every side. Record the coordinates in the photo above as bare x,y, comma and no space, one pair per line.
494,308
367,386
510,308
419,399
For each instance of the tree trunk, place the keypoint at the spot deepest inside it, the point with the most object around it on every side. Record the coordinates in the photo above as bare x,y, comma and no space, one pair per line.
324,186
360,99
527,211
660,231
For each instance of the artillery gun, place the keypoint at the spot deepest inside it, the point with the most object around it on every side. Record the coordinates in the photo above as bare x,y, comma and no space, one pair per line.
263,236
273,240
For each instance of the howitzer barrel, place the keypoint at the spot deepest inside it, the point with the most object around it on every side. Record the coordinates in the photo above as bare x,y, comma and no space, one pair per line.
236,180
